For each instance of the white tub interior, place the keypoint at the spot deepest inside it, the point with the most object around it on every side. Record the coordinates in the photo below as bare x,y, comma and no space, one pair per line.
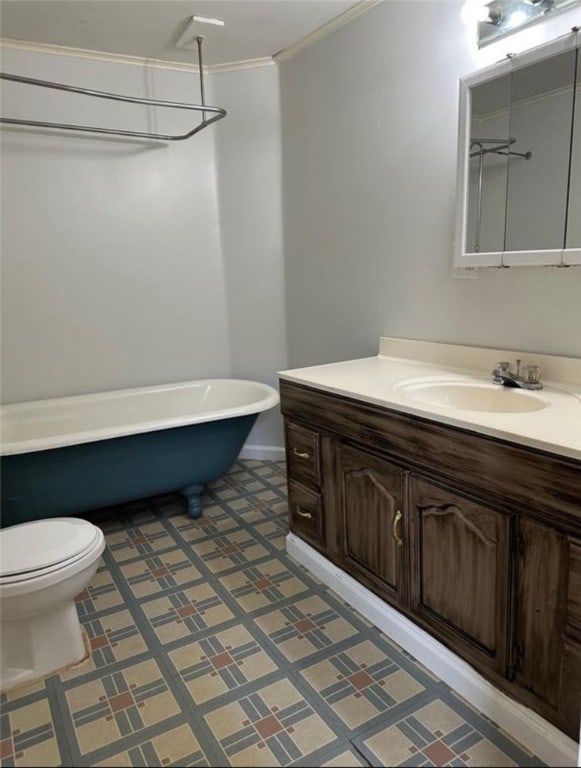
46,424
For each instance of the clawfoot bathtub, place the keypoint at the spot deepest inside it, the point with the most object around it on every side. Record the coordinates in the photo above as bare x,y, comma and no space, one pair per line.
70,455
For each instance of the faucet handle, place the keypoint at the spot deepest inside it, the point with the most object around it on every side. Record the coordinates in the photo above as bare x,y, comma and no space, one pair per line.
504,367
532,374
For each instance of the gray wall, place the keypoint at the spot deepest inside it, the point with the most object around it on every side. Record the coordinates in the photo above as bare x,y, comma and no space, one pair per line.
369,125
248,156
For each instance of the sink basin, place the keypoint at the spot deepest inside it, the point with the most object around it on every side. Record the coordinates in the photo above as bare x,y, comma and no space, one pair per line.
471,396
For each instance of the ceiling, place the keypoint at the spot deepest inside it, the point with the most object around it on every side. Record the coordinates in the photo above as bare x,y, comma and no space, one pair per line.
254,29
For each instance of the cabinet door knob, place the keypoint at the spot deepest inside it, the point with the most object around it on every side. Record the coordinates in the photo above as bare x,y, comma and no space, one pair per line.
394,529
302,512
300,454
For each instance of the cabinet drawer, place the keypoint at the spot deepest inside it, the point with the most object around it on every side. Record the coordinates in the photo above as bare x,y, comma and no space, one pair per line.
305,512
303,455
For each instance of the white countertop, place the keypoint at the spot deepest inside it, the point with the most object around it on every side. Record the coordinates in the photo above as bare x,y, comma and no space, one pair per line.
555,428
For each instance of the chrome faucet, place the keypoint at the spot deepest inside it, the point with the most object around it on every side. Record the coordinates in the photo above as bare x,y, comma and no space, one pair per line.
528,378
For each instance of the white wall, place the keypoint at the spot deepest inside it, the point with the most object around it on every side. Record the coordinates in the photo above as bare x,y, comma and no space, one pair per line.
248,151
112,274
369,121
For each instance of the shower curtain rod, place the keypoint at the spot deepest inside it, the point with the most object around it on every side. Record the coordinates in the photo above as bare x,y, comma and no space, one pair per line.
218,112
502,144
498,148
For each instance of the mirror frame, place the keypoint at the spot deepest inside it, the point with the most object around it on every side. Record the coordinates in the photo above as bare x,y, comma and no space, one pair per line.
462,258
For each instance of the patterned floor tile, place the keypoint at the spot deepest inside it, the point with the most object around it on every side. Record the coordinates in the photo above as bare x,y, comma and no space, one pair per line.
35,686
308,626
224,551
220,663
146,539
256,511
177,746
28,736
417,664
138,512
436,735
275,531
265,584
361,682
213,522
345,759
186,613
274,726
488,727
244,482
117,705
156,574
170,504
274,472
101,595
112,638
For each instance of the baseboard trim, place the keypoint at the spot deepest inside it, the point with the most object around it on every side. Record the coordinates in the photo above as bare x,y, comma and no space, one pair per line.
533,731
266,452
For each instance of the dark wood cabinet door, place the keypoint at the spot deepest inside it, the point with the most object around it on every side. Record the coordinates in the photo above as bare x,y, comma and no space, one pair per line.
460,557
374,528
542,575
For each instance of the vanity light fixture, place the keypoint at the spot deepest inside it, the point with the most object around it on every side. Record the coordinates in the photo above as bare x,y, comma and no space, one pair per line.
501,17
474,11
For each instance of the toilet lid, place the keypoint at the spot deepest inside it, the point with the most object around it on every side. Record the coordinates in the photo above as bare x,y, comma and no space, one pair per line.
29,547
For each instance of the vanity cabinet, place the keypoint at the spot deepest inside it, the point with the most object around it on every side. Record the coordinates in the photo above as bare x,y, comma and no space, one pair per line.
460,570
475,539
371,497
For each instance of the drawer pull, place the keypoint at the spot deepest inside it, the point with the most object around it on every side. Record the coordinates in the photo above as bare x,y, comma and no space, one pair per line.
301,454
302,513
394,529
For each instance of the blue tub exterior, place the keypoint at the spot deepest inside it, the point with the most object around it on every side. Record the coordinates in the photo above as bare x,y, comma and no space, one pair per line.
80,478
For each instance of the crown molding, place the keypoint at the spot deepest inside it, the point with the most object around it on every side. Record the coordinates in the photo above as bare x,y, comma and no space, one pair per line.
234,66
318,34
139,61
114,58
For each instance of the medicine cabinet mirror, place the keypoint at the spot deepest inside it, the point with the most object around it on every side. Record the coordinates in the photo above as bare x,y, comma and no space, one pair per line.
519,161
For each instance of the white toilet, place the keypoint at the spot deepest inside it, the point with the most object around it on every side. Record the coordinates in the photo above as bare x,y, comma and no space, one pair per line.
44,565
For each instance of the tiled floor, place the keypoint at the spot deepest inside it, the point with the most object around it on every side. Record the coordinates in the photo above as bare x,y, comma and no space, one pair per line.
211,647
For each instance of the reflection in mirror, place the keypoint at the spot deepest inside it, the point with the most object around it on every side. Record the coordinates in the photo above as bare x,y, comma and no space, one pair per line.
573,239
540,123
489,146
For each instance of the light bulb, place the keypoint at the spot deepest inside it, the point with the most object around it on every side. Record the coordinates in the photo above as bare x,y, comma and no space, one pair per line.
515,19
474,11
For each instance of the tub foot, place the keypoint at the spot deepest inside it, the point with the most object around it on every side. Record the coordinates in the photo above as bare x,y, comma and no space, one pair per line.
193,494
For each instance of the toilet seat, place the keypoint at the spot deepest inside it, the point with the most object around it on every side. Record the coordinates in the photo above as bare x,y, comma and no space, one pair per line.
30,551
